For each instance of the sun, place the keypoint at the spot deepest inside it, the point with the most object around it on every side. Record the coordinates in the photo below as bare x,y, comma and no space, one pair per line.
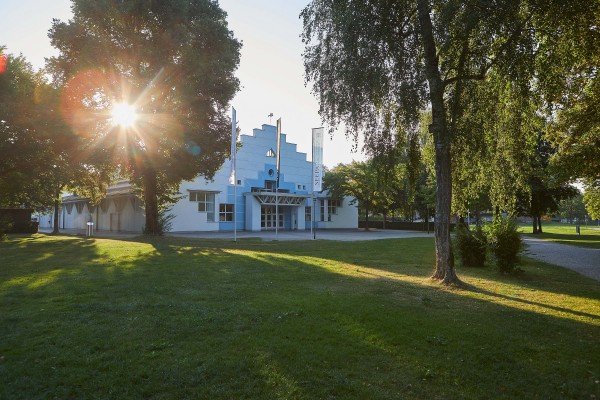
123,114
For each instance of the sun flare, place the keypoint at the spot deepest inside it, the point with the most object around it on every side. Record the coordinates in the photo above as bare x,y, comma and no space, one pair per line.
123,114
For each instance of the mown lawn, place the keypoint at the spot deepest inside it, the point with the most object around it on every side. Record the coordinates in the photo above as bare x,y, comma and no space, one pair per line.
566,234
174,319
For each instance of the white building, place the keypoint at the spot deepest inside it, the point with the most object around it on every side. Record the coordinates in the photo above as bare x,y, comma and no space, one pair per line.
209,205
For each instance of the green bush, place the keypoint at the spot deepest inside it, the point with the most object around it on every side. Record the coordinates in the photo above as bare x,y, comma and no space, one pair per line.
505,243
5,226
470,246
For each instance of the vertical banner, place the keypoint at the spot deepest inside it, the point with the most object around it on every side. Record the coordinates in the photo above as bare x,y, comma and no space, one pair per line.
317,159
232,177
278,149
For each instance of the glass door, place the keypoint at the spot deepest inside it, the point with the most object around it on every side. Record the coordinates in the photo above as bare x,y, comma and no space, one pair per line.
267,217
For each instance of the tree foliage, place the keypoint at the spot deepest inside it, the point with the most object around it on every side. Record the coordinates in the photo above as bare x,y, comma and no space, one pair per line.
24,149
174,62
478,65
591,199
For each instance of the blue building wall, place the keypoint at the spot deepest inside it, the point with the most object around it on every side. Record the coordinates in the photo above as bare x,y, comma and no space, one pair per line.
254,168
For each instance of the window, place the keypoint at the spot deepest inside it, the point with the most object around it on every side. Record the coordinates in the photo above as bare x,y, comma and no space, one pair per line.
270,153
322,207
270,186
226,212
206,203
332,206
307,213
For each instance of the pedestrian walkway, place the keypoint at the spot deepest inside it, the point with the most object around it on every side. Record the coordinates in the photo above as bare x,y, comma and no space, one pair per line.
83,232
583,260
329,234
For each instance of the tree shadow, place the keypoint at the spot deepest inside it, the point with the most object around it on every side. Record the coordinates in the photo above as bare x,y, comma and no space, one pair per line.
179,318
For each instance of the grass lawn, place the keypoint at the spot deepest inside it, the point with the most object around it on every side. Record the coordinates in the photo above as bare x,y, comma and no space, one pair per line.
173,318
566,234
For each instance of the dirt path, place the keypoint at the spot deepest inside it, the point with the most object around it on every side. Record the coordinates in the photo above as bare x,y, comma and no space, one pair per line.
582,260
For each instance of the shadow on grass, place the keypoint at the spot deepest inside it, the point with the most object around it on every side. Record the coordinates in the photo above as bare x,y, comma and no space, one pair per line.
194,318
587,241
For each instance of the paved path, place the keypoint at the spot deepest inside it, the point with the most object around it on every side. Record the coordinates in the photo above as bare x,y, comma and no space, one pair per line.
583,260
329,234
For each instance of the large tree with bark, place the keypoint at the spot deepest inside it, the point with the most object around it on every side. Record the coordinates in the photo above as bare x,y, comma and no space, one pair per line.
173,64
376,64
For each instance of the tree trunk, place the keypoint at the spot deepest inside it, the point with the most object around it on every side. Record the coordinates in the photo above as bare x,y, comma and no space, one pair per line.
539,218
444,259
151,203
55,217
366,219
535,229
56,210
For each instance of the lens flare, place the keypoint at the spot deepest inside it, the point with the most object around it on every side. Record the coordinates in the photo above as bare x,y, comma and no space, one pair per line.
3,63
123,114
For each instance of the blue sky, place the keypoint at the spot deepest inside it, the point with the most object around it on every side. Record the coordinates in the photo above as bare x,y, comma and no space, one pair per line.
271,70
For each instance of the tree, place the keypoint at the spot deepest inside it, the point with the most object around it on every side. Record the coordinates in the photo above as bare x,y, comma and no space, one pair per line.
359,180
24,151
545,190
375,65
591,199
171,62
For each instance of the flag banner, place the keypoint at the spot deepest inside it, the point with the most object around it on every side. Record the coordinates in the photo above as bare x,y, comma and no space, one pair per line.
317,158
232,176
278,149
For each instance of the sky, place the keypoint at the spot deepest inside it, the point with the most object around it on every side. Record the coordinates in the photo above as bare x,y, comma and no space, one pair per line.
271,71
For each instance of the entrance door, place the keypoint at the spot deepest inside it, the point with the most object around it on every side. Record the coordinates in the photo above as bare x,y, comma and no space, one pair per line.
115,222
267,217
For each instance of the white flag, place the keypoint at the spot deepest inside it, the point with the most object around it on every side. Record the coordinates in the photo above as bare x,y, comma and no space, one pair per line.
278,149
232,176
317,159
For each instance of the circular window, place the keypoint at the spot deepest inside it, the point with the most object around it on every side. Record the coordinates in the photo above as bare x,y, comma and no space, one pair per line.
271,172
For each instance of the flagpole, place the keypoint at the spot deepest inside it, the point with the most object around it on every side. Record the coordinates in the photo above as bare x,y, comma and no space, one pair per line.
235,206
277,180
312,192
234,170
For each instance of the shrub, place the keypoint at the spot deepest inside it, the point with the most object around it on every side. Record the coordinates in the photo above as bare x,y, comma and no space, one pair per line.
470,246
165,220
505,243
5,226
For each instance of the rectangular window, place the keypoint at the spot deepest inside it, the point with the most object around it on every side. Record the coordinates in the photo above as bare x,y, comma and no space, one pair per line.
270,186
332,206
307,213
206,203
226,212
322,207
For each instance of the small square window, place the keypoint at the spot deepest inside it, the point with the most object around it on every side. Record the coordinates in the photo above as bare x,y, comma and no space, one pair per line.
225,212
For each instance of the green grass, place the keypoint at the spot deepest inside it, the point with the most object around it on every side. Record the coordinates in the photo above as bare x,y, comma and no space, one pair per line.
566,234
174,319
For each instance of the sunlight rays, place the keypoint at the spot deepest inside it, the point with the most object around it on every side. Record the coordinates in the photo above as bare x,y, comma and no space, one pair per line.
109,113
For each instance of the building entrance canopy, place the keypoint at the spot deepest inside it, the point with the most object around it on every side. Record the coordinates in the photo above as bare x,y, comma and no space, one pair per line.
282,199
